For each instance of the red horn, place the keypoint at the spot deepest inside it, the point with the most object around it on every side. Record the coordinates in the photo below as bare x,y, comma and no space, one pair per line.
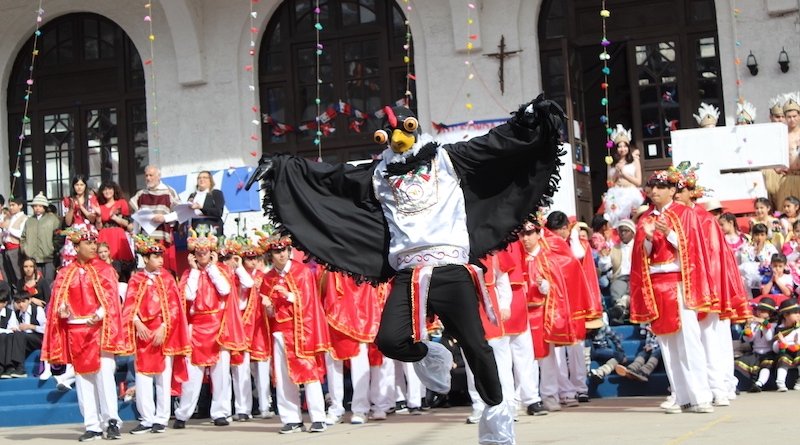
390,115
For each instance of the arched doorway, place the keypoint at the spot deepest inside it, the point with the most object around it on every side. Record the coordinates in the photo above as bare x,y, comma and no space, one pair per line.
664,62
87,111
361,68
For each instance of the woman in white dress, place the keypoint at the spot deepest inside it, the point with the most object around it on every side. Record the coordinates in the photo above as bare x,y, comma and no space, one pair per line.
624,179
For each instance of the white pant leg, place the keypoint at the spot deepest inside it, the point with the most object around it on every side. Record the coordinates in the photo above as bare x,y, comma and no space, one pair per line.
477,402
712,348
726,354
145,400
315,401
576,361
285,390
87,401
106,387
687,359
382,386
399,380
414,387
335,376
190,391
502,356
566,390
548,386
164,392
360,377
221,386
526,368
242,386
68,377
260,370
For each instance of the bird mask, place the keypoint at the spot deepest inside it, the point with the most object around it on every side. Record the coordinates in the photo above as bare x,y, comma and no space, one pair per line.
400,129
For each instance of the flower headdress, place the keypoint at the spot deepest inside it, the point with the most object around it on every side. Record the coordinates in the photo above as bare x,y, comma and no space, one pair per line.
249,250
145,245
620,134
78,234
201,238
745,112
707,115
670,177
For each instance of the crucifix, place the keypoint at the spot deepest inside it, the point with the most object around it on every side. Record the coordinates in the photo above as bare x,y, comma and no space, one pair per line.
501,56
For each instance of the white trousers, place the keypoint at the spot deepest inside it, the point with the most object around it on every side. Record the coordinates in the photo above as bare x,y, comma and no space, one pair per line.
684,359
288,392
502,355
359,377
220,388
97,395
155,408
242,386
382,391
408,387
260,371
576,363
555,382
712,347
726,355
526,368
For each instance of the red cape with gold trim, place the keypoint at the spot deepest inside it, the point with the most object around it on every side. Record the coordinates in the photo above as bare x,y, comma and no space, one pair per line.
353,312
102,283
648,306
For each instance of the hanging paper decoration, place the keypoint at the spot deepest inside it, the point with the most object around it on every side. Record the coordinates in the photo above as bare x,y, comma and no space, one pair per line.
318,100
406,60
255,134
150,63
324,118
26,120
468,63
606,70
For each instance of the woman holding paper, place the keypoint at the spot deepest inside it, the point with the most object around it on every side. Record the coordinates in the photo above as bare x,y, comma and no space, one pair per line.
624,179
208,203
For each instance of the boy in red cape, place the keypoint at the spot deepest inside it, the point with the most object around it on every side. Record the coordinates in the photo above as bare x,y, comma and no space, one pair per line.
669,288
215,327
154,327
84,330
727,290
300,334
353,314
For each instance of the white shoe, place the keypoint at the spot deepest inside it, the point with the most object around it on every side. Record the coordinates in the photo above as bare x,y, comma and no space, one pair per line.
781,386
378,415
46,374
332,419
475,417
667,403
265,414
673,409
721,401
703,408
358,419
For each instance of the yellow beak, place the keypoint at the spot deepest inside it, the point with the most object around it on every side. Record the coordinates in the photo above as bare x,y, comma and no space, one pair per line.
402,141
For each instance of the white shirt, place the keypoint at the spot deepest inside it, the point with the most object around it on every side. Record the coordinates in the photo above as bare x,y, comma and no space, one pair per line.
672,238
11,231
626,251
21,318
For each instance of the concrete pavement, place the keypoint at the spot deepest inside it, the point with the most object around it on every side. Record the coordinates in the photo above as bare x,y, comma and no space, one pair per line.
752,418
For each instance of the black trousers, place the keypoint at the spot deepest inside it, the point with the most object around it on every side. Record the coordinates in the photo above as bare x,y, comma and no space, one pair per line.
451,296
22,344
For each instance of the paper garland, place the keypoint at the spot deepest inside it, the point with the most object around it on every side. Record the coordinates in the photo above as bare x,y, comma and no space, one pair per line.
255,121
407,60
322,123
606,70
26,120
153,140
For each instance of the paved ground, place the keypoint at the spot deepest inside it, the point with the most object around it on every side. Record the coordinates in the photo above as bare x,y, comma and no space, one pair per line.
753,418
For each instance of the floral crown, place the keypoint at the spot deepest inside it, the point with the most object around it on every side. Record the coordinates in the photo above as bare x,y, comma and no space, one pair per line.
621,134
78,234
201,238
145,245
669,177
250,250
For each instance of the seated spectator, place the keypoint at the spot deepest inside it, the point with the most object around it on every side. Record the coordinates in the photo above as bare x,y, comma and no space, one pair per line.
754,257
759,332
28,327
775,279
791,248
730,228
606,350
618,261
646,360
762,208
33,283
6,334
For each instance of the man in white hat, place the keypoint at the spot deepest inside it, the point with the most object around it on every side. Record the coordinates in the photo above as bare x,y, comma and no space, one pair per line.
618,259
37,236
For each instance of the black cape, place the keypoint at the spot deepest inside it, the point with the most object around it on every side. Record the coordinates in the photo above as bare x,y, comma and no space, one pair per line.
332,213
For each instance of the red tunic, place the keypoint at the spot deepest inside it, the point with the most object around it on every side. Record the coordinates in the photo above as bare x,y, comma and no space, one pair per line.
83,288
518,322
155,301
352,310
215,319
723,273
654,296
592,307
256,322
301,322
115,236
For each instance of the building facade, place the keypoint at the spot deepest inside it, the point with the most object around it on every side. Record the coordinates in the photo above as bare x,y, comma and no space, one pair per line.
222,85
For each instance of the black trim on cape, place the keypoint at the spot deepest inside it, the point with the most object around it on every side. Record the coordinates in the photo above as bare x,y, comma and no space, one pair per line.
332,214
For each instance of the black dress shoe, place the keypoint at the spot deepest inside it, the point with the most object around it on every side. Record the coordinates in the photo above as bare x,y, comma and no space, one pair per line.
178,424
537,409
242,417
221,421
